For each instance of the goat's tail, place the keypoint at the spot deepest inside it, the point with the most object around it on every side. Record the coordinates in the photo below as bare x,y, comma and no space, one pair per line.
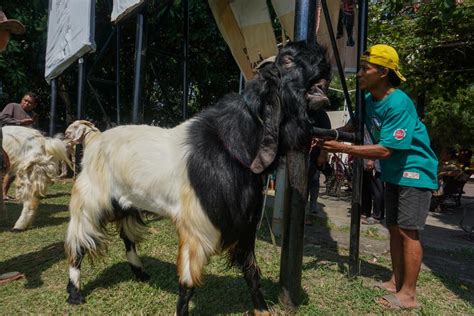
33,177
133,226
57,148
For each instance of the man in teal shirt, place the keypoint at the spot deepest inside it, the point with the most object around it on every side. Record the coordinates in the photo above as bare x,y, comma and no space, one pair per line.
408,167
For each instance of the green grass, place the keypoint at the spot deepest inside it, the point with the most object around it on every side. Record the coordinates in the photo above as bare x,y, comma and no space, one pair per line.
110,288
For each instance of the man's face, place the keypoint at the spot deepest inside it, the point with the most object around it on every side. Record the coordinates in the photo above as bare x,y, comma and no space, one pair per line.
28,103
370,76
4,37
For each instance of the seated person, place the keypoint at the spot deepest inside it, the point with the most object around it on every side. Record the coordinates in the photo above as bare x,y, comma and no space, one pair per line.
21,113
18,114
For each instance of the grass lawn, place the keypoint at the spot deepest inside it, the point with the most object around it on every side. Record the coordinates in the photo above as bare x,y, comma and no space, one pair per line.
110,288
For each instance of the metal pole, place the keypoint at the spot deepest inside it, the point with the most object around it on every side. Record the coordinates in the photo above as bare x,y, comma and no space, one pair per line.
241,83
354,268
117,73
279,200
81,87
185,56
140,53
52,115
347,98
305,20
297,164
81,99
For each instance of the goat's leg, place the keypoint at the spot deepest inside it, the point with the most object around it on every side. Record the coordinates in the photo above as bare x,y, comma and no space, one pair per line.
252,277
185,294
191,261
133,259
245,259
28,213
74,284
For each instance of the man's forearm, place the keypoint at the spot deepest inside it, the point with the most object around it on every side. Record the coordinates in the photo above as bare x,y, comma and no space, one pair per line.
367,151
7,120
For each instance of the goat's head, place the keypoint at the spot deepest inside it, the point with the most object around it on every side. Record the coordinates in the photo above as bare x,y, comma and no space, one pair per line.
291,89
77,131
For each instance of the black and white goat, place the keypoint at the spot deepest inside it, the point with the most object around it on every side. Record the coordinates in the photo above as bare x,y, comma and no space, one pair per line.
34,161
203,174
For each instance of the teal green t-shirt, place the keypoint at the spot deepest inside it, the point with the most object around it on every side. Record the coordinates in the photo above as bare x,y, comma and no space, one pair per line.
394,123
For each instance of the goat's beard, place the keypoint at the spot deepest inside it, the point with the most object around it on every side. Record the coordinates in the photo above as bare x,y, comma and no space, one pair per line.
317,95
295,132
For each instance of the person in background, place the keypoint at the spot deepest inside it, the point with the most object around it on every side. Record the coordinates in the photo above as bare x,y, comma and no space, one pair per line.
21,114
316,164
6,27
408,167
372,190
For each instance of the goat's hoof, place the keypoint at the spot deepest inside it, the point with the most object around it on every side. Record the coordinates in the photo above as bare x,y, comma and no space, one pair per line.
257,312
76,299
16,230
143,277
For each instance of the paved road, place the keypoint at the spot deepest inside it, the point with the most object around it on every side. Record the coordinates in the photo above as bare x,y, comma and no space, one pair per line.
447,246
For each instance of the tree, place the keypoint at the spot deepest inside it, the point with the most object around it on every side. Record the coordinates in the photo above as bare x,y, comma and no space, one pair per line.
212,70
434,40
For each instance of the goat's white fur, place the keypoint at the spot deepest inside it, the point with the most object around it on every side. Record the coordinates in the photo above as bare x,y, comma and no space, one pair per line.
34,161
116,166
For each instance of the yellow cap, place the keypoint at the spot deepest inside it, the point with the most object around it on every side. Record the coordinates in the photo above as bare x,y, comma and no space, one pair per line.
385,56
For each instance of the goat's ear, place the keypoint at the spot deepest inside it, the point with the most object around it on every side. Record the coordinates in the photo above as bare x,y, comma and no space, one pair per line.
268,147
87,123
79,132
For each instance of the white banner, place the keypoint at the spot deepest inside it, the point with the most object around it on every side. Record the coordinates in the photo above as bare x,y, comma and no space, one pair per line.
246,27
122,9
71,28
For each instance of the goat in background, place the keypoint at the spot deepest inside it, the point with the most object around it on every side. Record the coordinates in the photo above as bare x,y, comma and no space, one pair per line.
80,132
34,161
204,174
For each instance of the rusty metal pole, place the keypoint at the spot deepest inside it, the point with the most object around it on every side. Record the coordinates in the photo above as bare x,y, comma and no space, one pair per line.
297,193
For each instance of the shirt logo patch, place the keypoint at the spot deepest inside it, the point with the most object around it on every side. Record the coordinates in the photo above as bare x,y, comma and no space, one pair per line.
399,134
411,175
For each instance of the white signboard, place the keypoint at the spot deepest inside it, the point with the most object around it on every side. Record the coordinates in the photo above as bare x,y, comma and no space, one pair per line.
71,30
122,8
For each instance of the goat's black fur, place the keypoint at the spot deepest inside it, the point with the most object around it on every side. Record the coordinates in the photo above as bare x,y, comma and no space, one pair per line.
225,139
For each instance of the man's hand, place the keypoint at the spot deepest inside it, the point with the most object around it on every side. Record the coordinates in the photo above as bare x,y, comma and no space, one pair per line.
332,146
26,122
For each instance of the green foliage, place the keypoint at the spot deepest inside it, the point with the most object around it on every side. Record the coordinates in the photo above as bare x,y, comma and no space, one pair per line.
434,42
212,71
453,118
22,64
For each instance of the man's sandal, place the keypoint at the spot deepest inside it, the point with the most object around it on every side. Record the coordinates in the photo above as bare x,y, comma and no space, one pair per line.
10,276
390,301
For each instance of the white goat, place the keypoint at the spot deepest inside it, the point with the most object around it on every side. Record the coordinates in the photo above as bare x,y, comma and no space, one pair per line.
34,161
